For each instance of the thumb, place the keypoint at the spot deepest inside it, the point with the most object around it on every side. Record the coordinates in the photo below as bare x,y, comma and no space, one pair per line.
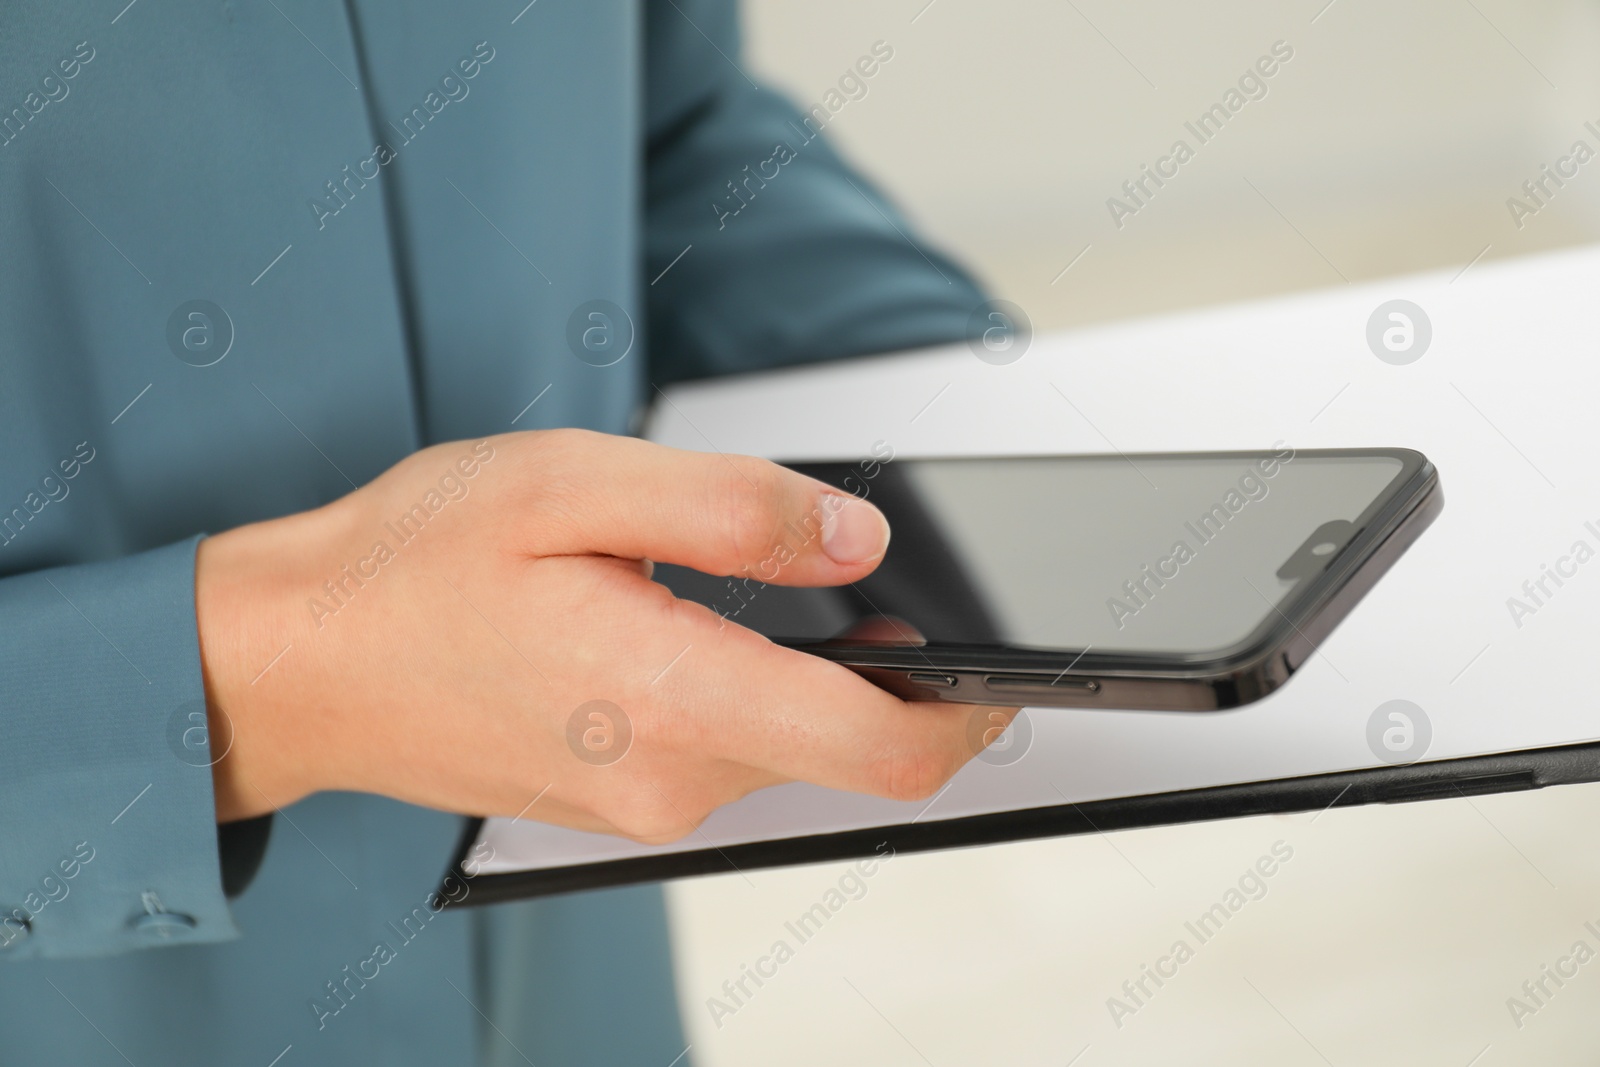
719,514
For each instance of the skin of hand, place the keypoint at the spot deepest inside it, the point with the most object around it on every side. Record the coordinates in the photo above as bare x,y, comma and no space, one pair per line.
443,635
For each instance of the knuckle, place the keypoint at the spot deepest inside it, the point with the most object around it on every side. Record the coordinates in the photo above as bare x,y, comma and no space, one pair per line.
685,615
649,818
567,457
915,772
538,451
692,621
656,833
561,443
556,458
752,494
555,485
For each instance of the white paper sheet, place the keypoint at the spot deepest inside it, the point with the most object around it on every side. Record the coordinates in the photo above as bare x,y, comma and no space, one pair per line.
1502,401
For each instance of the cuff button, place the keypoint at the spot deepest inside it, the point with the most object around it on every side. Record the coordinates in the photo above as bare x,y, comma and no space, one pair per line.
13,927
163,925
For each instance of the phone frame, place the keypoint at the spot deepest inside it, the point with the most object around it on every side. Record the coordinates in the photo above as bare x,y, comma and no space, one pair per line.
1168,681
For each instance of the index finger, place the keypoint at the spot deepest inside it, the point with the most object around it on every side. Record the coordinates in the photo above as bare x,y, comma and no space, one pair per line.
802,717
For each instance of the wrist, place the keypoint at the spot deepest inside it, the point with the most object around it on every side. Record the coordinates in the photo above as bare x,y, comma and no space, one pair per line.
245,589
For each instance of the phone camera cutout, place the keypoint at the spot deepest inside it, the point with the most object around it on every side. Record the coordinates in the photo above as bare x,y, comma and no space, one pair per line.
1315,551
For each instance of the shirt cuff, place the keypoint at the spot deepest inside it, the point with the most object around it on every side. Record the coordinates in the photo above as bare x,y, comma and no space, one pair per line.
111,841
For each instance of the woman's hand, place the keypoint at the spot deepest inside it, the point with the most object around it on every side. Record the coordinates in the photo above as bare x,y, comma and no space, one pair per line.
477,628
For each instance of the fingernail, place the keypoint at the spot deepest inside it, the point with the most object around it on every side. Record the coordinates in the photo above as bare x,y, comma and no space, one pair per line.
853,531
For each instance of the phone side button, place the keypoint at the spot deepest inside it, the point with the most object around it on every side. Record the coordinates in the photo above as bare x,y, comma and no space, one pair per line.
1004,683
938,681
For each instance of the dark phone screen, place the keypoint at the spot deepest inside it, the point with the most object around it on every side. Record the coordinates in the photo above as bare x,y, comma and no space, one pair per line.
1177,553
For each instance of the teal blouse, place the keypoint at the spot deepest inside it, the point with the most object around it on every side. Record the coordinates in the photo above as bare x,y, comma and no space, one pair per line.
251,254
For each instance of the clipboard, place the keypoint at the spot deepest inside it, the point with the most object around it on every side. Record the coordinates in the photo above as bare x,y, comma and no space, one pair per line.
1505,694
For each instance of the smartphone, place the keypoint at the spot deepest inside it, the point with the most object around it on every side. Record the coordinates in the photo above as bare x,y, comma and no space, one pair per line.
1165,581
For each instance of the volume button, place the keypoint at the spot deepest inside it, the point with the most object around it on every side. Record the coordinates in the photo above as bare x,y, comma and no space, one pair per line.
940,681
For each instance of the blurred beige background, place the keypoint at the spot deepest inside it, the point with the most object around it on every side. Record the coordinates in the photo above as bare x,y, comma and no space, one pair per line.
1389,143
